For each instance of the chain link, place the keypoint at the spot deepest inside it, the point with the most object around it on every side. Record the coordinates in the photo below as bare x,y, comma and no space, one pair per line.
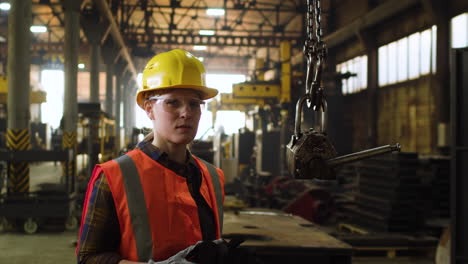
315,52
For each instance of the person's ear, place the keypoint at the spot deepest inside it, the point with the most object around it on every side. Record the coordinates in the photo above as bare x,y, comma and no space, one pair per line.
148,106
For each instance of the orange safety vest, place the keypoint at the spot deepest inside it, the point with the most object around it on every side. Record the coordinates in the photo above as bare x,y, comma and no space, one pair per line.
157,214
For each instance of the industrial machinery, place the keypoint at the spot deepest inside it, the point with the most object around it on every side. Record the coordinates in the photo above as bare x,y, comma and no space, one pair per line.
96,137
51,204
96,143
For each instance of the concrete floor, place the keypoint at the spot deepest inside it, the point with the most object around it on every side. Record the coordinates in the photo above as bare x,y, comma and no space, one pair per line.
53,248
41,248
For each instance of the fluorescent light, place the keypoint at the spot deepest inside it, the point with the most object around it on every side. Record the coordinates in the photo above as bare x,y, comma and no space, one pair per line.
81,66
199,47
5,6
2,39
206,32
38,29
215,12
201,59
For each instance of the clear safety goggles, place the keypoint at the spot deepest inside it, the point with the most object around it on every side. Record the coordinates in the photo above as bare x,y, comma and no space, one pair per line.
177,103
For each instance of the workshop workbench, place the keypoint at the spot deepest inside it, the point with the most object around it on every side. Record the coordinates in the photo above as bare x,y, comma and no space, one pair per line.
283,238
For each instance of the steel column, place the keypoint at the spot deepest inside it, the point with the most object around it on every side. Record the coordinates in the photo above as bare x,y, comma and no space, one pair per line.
442,76
19,61
129,110
70,106
109,88
459,156
118,104
110,54
126,109
94,71
372,95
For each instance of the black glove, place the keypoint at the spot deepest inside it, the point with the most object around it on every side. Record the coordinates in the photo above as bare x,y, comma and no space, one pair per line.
221,252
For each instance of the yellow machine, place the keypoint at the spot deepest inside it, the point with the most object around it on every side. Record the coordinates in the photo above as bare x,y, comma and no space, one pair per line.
37,97
246,96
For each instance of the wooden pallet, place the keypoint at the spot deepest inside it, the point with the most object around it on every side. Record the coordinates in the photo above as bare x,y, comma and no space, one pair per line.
377,250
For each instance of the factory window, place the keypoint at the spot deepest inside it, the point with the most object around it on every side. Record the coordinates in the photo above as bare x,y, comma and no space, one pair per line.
408,58
413,55
358,67
53,82
460,31
402,48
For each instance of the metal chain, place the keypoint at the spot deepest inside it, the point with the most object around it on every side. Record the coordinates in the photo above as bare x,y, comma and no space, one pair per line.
315,52
318,21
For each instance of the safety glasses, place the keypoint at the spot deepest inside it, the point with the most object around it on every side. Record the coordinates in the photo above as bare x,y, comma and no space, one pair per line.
177,103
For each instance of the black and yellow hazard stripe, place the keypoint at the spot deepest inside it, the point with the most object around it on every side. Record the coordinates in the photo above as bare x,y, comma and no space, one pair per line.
18,176
18,139
69,141
69,169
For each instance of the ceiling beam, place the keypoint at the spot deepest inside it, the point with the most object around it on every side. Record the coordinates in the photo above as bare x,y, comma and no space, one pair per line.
377,15
104,9
244,41
282,9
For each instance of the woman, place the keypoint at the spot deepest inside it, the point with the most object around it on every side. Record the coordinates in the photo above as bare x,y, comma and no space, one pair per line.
157,201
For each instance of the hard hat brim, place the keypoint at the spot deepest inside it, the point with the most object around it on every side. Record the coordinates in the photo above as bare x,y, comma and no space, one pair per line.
205,92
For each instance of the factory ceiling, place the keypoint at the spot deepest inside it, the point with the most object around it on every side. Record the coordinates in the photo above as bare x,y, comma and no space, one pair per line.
151,26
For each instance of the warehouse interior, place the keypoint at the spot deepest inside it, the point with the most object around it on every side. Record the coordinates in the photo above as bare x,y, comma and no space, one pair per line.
341,125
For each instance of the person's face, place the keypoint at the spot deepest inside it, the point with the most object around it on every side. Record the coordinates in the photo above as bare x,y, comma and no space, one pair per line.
175,115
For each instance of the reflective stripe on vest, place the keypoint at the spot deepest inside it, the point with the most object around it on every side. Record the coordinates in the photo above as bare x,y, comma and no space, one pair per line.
137,207
217,189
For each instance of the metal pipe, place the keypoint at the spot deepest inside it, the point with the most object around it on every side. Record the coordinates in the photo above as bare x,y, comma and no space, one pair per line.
363,154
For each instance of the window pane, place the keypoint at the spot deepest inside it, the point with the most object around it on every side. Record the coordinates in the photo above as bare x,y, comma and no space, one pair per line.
363,73
392,62
344,82
402,47
460,31
414,55
434,48
426,51
350,80
357,70
358,66
383,66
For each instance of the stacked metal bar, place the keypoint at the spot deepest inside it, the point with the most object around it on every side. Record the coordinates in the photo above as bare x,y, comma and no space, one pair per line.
440,187
435,175
389,198
345,191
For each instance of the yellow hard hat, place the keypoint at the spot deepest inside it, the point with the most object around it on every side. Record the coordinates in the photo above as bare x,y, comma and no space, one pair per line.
174,69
